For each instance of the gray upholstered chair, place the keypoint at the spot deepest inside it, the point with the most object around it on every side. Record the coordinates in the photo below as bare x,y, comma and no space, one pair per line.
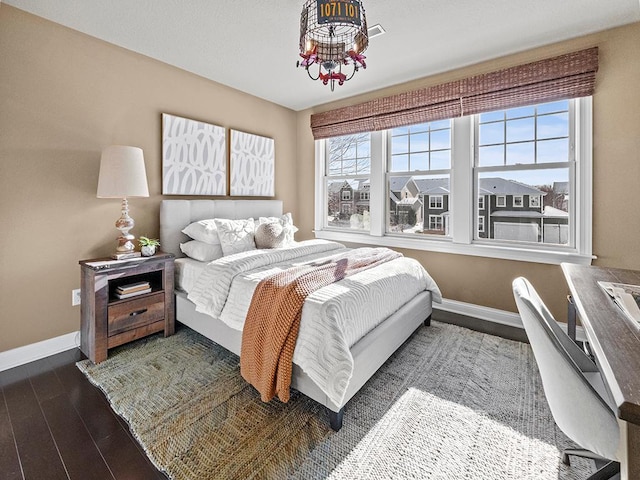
575,391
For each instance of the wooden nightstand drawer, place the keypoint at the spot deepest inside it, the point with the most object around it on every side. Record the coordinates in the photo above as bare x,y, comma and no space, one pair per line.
135,313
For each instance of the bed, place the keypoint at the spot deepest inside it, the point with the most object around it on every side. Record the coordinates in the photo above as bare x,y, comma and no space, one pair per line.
365,355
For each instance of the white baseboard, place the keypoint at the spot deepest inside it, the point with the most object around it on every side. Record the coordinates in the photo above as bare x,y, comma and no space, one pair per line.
36,351
492,315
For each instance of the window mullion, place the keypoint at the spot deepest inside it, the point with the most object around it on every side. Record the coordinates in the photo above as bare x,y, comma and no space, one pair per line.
378,196
321,186
462,190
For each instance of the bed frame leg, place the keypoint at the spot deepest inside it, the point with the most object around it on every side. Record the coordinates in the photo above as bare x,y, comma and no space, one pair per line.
427,321
335,419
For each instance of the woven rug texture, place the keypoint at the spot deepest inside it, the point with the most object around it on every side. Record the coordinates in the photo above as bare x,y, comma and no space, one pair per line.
451,403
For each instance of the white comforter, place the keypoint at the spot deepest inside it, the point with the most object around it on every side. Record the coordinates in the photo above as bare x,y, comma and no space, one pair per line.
333,318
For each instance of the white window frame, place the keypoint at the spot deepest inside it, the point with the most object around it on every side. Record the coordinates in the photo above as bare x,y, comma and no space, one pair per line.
436,202
480,224
345,195
501,201
480,202
521,198
535,204
364,196
437,219
461,207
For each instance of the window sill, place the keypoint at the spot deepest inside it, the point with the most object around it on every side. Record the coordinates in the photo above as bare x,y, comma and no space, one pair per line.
553,257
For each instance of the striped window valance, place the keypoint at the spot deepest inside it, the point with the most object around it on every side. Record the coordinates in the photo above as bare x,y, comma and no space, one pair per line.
567,76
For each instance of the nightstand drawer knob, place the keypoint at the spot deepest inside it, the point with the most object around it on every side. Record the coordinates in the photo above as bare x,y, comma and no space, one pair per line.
137,312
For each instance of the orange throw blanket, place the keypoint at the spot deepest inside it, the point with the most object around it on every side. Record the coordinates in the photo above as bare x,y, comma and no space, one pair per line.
273,320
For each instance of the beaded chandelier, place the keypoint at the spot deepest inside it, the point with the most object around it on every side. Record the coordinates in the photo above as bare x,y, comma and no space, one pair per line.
333,36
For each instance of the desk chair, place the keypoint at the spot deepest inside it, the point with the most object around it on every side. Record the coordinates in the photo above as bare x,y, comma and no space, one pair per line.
572,384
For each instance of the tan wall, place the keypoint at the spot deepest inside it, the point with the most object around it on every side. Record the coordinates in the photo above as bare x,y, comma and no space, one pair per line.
616,191
63,97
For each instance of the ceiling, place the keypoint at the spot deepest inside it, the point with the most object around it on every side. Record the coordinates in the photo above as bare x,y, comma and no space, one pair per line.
252,45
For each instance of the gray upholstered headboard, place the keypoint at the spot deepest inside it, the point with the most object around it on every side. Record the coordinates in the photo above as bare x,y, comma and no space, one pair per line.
177,214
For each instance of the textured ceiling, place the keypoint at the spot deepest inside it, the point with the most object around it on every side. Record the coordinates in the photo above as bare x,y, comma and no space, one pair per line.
252,45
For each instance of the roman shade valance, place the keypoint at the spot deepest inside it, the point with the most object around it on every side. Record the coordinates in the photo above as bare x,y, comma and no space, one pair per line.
567,76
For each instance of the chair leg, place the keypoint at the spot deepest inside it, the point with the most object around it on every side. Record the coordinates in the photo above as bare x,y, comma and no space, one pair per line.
606,472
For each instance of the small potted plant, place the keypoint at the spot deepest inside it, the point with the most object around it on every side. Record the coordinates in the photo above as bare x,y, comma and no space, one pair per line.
148,246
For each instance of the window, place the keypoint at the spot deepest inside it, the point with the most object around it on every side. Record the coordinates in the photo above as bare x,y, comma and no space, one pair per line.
435,222
435,201
347,170
418,166
527,151
512,185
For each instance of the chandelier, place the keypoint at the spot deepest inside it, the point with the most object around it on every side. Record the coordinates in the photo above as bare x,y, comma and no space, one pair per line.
333,36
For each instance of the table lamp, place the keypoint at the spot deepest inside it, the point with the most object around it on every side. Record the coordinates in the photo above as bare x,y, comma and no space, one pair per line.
122,175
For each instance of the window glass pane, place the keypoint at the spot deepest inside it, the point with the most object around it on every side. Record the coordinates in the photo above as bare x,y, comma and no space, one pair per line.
520,112
441,160
520,130
440,124
420,127
553,126
562,105
520,153
400,163
536,207
553,150
400,131
348,204
400,144
419,161
491,133
419,142
440,139
419,204
491,116
491,156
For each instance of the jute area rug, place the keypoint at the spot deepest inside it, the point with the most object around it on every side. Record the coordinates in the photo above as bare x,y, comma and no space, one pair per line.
450,404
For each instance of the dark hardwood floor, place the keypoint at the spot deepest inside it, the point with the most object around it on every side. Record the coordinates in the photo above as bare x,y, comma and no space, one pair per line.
54,424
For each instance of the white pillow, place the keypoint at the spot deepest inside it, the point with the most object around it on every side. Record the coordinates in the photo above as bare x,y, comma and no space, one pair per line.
205,252
270,235
236,235
203,231
286,221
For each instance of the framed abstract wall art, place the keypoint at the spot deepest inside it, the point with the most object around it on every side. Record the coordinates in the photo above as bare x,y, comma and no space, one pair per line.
194,157
252,165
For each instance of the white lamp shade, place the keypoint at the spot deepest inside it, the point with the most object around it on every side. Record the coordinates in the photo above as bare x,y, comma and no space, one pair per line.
122,173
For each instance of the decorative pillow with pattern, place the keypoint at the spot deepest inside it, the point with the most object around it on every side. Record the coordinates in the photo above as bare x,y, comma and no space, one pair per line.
204,252
270,235
286,221
203,231
236,235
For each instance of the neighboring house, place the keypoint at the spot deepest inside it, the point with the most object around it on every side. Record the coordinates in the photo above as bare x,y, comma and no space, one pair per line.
405,205
348,197
512,210
435,194
507,209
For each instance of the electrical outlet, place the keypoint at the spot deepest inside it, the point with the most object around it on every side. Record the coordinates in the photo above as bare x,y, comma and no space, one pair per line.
75,297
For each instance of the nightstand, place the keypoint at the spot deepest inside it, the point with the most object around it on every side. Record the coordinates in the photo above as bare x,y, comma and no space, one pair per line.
108,321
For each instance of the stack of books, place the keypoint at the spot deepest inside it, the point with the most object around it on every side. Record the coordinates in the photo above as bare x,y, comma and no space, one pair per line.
132,289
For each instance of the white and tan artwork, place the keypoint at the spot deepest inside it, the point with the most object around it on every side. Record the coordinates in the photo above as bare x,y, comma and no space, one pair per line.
194,160
252,165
